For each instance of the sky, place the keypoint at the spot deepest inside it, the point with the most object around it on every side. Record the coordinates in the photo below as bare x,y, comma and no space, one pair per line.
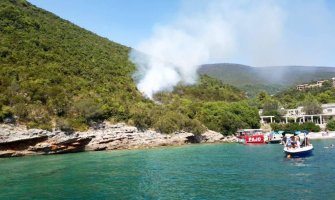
122,21
256,33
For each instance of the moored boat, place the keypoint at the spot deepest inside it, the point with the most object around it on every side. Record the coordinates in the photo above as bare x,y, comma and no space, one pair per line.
275,137
251,136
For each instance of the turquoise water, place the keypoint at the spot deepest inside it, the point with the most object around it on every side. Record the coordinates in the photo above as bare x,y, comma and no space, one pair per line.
220,171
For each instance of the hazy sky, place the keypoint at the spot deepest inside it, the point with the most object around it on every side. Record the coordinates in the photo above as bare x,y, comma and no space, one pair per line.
258,33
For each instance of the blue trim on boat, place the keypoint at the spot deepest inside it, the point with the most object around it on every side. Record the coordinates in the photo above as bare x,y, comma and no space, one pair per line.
300,152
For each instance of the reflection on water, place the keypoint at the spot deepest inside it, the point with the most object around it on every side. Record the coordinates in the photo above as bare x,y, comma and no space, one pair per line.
299,162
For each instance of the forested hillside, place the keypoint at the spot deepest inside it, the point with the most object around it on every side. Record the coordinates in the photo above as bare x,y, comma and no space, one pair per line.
56,74
293,98
271,79
50,67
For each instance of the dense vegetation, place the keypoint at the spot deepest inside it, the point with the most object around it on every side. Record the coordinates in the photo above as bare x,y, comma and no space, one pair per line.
292,98
331,125
219,106
52,69
55,74
309,126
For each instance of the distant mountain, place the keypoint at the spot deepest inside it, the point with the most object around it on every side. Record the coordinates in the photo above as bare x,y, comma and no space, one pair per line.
271,79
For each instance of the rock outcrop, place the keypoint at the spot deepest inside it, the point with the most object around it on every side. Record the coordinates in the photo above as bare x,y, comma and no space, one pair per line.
19,141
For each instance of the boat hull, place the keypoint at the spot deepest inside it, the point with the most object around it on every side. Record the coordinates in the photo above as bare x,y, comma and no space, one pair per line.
299,152
255,139
274,141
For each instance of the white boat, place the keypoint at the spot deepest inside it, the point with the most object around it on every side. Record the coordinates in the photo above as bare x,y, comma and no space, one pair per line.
275,137
293,147
299,152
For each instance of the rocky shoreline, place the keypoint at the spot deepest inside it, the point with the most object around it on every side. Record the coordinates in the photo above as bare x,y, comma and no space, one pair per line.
20,141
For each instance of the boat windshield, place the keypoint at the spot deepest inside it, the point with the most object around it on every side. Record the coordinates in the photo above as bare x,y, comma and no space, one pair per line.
250,132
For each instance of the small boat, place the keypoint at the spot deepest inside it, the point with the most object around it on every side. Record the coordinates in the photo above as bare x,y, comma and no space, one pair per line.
275,137
293,147
251,136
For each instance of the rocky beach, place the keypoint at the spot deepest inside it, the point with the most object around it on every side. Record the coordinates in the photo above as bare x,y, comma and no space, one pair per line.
17,140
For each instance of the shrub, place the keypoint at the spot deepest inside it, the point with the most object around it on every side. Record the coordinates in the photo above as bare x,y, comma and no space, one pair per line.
40,125
170,122
277,127
226,118
331,125
140,116
78,124
21,111
64,125
5,112
309,126
195,126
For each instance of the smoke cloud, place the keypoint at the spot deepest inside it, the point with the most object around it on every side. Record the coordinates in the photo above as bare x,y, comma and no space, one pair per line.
257,33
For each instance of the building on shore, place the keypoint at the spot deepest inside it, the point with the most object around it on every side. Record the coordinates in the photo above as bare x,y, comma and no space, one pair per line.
318,84
299,116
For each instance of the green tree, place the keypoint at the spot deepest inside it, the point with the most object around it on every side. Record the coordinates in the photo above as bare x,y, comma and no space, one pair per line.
5,112
227,118
262,96
311,107
331,125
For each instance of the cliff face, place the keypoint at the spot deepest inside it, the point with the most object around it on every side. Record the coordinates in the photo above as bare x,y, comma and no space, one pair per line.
19,141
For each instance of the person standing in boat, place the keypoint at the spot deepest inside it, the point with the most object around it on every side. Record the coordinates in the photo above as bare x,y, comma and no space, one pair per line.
288,142
297,141
293,141
297,144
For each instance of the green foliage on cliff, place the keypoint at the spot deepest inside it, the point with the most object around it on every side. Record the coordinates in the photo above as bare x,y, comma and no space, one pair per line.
331,125
56,74
293,98
227,118
52,68
309,126
218,106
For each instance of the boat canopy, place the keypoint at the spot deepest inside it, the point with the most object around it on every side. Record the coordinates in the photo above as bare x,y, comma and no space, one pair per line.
295,132
277,132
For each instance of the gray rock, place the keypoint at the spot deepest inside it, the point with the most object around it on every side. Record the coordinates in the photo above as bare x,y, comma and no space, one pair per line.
107,137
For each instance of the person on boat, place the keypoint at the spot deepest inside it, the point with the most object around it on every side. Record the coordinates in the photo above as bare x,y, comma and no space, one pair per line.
288,142
293,141
283,141
307,141
297,141
297,145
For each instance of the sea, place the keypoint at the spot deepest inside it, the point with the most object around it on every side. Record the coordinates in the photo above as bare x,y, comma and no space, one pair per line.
202,171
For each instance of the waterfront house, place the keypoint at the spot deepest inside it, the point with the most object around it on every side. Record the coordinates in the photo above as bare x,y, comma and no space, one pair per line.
299,116
314,85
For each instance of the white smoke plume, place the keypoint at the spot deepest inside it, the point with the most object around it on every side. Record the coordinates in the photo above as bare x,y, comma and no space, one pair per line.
244,31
